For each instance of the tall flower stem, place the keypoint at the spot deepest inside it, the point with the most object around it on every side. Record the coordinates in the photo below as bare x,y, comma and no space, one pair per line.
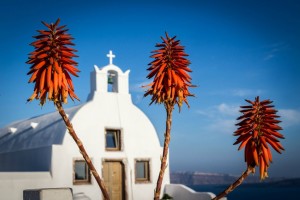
163,166
82,149
235,184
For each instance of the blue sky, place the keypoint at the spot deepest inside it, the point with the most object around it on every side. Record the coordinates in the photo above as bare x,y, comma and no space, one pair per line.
237,49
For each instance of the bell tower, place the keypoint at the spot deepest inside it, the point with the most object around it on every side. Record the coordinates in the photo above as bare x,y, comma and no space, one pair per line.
109,79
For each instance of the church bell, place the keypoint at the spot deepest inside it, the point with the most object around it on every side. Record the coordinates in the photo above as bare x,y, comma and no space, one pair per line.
110,79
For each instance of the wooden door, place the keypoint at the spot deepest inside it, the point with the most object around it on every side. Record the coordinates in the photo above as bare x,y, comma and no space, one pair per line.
113,174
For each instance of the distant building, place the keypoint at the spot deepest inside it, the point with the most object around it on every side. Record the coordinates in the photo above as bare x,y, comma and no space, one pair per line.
122,142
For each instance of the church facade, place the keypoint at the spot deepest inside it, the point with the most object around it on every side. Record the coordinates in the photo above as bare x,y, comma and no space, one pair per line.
120,139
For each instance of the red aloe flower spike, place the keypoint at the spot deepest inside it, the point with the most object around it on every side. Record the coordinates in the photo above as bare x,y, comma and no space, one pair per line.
51,64
259,128
170,71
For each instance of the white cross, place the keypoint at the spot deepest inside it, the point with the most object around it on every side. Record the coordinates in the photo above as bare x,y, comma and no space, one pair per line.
110,56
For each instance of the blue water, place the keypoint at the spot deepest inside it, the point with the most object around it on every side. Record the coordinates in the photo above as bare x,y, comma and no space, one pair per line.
254,191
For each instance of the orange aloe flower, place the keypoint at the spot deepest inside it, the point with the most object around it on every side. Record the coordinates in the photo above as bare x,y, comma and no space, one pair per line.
257,130
170,71
52,65
170,86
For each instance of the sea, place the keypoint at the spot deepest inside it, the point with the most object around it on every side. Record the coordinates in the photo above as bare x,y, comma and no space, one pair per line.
254,191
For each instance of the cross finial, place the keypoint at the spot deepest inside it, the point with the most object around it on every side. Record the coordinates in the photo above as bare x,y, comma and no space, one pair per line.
110,56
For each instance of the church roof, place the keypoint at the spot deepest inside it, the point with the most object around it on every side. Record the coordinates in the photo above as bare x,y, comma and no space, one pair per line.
36,132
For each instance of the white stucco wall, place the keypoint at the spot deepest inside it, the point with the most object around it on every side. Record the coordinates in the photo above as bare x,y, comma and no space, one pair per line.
139,140
12,184
111,110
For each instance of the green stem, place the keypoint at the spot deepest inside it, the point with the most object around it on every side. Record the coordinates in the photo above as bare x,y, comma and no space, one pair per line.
82,150
163,166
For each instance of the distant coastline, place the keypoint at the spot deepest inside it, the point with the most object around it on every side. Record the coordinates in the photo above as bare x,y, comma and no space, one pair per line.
200,178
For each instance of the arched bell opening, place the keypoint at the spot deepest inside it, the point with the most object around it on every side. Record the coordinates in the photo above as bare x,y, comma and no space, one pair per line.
112,81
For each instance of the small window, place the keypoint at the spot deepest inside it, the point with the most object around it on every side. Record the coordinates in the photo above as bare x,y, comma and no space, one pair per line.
81,172
142,171
113,140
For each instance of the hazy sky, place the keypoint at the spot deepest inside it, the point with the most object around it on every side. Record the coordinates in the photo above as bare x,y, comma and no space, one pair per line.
238,50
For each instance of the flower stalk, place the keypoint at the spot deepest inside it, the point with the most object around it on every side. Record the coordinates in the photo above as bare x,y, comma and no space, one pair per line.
51,65
234,185
169,87
82,149
164,158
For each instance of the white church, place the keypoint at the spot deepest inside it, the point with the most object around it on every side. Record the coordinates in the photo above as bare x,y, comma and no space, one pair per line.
122,142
